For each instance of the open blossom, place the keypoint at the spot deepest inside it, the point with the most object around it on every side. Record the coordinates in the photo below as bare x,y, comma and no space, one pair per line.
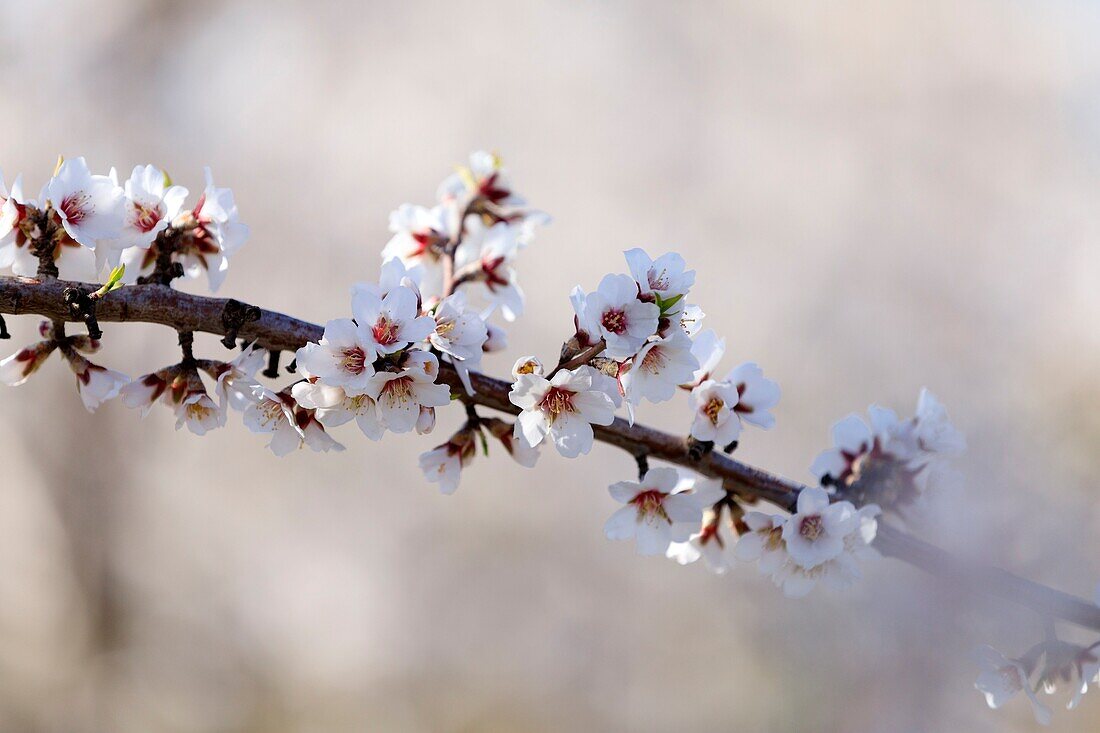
291,427
218,236
89,207
656,513
816,532
484,178
487,255
459,331
399,395
143,392
12,240
390,323
193,405
563,408
443,465
713,541
96,384
526,365
150,204
344,357
839,572
614,313
235,381
419,236
1001,679
763,542
715,420
665,278
658,368
756,395
335,407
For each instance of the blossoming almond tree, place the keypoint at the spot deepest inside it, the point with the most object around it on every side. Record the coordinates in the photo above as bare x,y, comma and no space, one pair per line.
413,345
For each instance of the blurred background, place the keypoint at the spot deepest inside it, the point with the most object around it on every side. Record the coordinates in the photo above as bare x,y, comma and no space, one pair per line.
877,197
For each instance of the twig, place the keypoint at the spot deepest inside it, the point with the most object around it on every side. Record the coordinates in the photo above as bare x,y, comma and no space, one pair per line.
275,331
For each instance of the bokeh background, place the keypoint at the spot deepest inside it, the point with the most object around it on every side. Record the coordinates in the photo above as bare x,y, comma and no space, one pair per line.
877,197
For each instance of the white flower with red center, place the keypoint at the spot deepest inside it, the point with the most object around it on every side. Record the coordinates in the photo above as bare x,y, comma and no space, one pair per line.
143,392
712,541
665,278
399,395
715,421
708,349
763,542
95,384
518,448
658,368
335,407
419,236
656,512
90,208
1001,679
236,380
484,178
193,406
17,368
816,532
215,233
485,260
563,408
756,395
391,323
344,357
614,313
151,204
459,331
274,413
839,572
12,211
443,465
393,274
852,439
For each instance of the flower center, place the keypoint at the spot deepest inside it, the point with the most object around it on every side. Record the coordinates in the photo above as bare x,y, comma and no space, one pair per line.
443,328
811,527
658,280
651,506
713,409
614,320
398,390
354,361
655,360
556,401
145,218
385,331
76,206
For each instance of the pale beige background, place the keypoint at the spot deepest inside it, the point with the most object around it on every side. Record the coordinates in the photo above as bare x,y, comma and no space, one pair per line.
878,196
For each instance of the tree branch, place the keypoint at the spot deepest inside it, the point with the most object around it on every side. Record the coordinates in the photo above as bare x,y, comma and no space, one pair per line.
277,332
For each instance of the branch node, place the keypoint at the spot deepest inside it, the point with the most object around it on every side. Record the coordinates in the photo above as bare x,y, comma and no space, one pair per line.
698,449
234,315
82,307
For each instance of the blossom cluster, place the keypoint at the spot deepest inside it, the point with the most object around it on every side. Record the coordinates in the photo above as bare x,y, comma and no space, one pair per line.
389,365
86,223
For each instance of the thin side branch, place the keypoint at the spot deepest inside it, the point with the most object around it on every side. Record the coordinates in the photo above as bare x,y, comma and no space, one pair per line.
277,332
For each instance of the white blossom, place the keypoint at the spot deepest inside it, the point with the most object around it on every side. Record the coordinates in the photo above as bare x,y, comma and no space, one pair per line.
90,207
839,572
614,313
236,380
763,542
150,204
1001,679
658,368
715,420
563,408
335,407
518,448
487,255
708,349
219,234
484,178
816,532
665,278
17,368
419,235
96,384
143,392
756,395
526,365
200,413
443,465
344,357
656,513
399,395
391,323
